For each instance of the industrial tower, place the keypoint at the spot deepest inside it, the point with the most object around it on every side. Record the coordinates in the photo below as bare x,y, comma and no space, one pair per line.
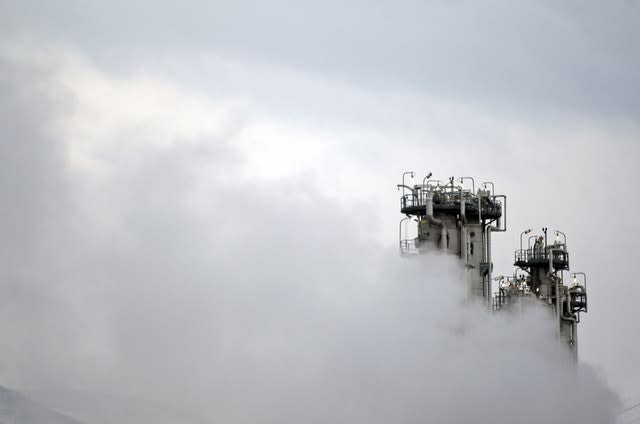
545,265
455,220
459,221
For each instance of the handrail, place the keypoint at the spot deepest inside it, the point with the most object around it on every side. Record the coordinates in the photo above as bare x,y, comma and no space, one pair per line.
408,246
540,255
452,200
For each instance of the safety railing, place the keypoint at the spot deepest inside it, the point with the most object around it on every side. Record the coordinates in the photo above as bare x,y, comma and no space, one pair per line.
541,255
409,247
508,288
452,201
410,200
578,299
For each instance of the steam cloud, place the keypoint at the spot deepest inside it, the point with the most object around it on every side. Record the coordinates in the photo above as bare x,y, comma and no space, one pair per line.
250,302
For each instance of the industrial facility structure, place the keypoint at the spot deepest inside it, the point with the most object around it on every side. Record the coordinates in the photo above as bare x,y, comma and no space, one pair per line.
450,217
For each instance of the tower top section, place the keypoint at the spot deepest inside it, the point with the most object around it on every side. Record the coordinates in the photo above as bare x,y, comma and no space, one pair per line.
446,198
542,254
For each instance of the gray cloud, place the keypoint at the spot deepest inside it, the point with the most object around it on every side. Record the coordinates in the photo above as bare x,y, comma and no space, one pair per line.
534,59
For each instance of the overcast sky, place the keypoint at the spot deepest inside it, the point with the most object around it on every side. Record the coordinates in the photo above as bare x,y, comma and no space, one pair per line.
164,163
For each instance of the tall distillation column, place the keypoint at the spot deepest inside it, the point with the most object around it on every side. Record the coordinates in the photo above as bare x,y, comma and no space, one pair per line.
455,220
545,265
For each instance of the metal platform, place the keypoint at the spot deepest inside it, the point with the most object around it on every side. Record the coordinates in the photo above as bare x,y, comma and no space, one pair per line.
411,204
537,258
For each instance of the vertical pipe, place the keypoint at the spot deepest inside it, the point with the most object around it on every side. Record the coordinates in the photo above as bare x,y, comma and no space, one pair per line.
558,297
504,214
489,261
430,216
443,237
574,330
574,336
463,231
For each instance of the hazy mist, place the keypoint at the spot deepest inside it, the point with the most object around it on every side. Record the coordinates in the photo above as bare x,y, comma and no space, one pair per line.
200,215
